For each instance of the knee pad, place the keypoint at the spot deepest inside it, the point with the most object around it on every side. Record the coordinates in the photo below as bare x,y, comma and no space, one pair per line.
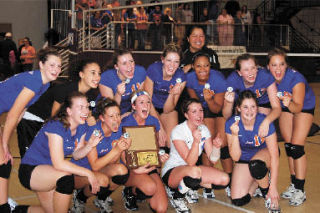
103,193
225,153
192,183
65,185
297,151
241,201
21,209
141,195
5,208
120,179
287,147
213,186
5,170
258,169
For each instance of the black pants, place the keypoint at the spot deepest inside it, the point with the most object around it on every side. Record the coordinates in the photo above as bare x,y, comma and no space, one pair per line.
26,131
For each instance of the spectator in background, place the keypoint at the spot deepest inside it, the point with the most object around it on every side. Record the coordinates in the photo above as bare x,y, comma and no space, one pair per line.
179,29
141,26
232,7
96,21
204,18
107,15
188,15
8,55
130,18
239,30
92,3
168,22
225,28
246,17
52,38
156,16
257,29
28,54
115,3
80,6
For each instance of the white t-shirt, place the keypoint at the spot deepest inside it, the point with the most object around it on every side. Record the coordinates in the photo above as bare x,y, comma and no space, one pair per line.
182,132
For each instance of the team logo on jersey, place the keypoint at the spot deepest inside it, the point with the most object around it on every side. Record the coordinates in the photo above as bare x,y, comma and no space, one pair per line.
260,92
135,87
258,140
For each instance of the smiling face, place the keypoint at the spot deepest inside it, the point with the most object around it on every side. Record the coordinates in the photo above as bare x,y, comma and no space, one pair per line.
142,106
248,71
90,75
194,114
277,66
196,39
51,68
248,109
170,63
201,66
78,111
125,66
111,118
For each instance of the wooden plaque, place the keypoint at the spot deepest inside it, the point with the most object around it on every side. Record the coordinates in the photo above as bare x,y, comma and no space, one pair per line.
144,147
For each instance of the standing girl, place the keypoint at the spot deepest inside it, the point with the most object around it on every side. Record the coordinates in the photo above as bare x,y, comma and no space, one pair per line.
298,103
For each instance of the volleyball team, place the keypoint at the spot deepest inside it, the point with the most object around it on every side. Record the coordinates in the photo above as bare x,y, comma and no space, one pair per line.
200,117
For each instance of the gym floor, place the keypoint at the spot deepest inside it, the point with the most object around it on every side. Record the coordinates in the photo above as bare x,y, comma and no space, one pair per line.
222,202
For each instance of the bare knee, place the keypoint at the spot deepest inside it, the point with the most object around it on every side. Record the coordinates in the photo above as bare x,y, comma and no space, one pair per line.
194,172
148,188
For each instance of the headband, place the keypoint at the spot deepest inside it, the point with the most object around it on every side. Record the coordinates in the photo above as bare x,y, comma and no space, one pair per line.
134,98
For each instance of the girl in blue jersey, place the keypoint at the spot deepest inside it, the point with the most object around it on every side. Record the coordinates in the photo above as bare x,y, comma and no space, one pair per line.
248,76
144,182
298,103
104,158
209,86
17,93
165,82
125,78
45,169
188,141
254,155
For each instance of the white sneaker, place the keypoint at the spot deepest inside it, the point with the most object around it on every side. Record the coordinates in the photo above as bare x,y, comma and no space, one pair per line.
288,193
208,194
179,204
271,208
228,191
78,205
103,205
109,200
192,196
298,197
257,193
12,203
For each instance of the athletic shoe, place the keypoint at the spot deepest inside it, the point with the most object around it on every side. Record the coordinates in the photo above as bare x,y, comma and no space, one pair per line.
228,191
179,204
192,196
298,197
169,192
208,194
130,200
12,203
109,200
288,193
270,207
78,205
257,193
103,205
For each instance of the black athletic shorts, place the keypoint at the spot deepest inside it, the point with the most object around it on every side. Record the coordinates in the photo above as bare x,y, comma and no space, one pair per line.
266,105
159,110
165,177
25,172
208,114
310,111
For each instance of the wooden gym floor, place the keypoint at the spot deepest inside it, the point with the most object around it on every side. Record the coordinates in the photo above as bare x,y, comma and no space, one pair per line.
221,203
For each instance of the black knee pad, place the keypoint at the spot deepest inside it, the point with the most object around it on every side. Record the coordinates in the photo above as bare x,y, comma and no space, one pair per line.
225,153
5,170
21,209
287,147
213,186
65,185
120,179
241,201
297,151
258,169
192,183
5,208
141,195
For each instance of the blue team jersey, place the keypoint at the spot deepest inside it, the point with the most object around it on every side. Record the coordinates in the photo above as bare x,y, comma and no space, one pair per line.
110,79
39,153
103,147
11,88
263,80
250,142
292,78
150,121
216,81
162,87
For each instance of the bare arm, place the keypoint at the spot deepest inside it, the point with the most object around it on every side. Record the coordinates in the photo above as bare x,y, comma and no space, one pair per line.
295,104
55,108
228,104
173,97
233,142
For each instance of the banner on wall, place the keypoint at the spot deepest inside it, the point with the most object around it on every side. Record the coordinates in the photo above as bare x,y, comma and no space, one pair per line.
228,54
